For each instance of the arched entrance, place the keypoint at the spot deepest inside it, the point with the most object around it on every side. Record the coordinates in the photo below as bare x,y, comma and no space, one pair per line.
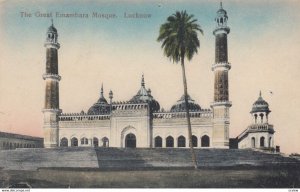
253,142
74,142
95,142
205,141
105,142
130,140
170,141
181,141
262,142
158,141
194,141
64,142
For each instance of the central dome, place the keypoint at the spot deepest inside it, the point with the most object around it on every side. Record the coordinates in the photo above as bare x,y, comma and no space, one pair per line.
100,107
144,95
180,105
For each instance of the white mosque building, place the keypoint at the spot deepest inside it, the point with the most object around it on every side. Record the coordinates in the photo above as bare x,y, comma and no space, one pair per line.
140,122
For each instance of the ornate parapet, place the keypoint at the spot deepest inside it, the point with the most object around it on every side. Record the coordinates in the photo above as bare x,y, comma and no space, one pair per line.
129,109
127,105
80,120
265,127
221,103
261,127
82,117
205,113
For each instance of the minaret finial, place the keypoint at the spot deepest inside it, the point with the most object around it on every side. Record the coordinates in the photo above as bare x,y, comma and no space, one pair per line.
259,93
221,5
102,90
143,81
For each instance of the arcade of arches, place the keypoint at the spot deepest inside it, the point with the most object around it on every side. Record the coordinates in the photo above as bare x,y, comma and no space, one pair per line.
262,142
130,141
181,141
64,142
9,141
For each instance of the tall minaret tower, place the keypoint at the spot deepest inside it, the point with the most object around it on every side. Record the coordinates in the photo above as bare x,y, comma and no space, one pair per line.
51,109
220,68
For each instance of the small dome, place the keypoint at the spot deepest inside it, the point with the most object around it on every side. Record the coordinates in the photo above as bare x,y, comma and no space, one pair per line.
180,105
260,105
221,11
144,95
52,29
100,107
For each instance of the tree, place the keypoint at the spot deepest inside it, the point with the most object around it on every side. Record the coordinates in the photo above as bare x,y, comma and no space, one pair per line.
179,41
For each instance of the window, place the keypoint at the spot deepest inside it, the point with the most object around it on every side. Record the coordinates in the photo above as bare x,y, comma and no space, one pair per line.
95,142
194,141
74,142
64,142
105,142
253,142
262,141
181,141
205,141
158,141
84,141
170,141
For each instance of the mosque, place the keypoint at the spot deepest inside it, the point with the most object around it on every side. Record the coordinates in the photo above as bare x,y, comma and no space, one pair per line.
140,122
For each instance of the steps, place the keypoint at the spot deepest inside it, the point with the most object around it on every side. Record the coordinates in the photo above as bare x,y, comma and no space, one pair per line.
132,159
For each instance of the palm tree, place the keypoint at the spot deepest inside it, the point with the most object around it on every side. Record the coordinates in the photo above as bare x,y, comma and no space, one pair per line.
179,41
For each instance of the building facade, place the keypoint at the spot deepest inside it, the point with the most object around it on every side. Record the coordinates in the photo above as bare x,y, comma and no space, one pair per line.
13,141
139,122
260,134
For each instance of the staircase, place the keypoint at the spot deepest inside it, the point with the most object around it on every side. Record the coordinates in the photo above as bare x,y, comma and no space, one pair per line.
132,159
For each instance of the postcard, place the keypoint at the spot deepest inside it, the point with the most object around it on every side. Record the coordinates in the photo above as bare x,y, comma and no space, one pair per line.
149,94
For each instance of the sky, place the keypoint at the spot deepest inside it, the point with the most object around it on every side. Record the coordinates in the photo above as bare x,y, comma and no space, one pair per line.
263,47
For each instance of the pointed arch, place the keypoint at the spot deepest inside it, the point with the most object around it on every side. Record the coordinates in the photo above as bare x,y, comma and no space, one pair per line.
74,142
130,140
262,142
181,141
205,141
194,141
253,142
64,142
169,141
105,142
158,141
95,142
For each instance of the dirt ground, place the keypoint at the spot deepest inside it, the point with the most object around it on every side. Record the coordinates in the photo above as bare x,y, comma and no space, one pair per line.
272,177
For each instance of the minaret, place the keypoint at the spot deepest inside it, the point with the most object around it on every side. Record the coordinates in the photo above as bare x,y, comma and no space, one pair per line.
221,104
51,108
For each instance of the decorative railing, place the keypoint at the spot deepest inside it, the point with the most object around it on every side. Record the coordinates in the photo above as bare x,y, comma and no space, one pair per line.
82,117
51,76
129,105
218,103
182,114
262,126
222,64
256,127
